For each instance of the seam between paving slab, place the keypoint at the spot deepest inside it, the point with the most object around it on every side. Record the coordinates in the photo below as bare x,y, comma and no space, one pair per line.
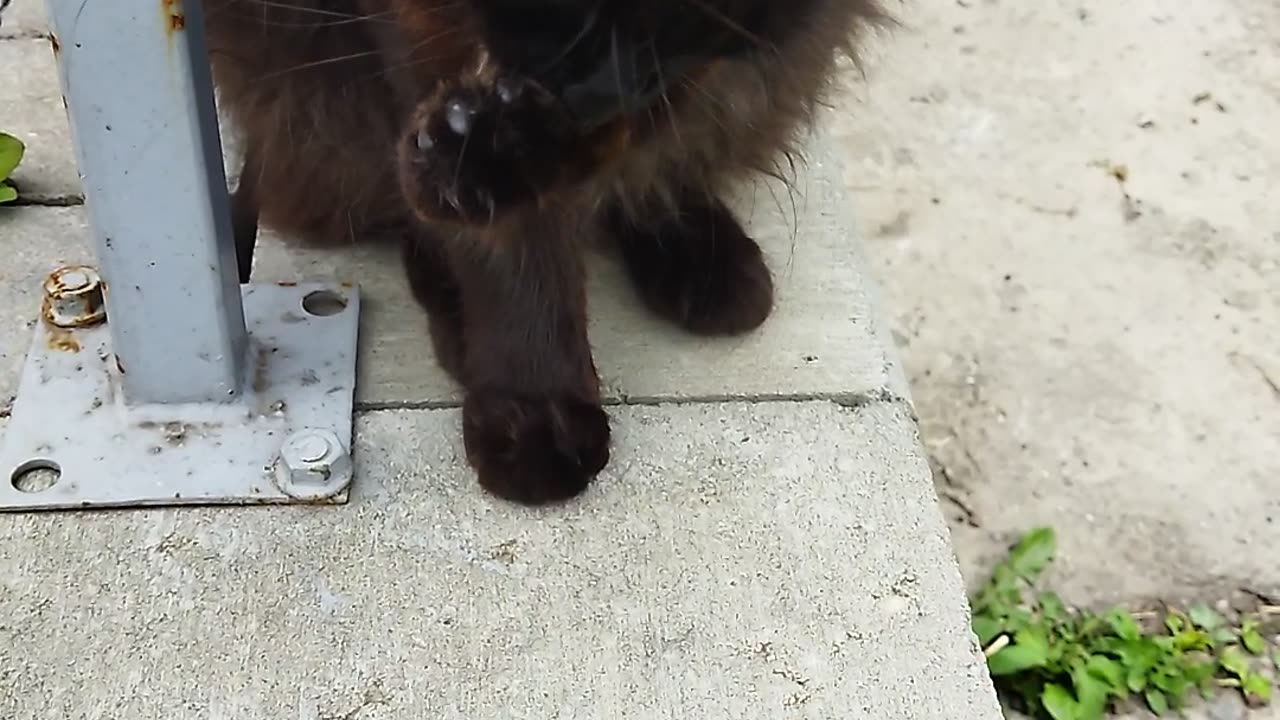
51,201
28,34
845,400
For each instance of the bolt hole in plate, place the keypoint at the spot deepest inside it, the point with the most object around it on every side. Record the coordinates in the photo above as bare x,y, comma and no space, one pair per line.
35,476
324,303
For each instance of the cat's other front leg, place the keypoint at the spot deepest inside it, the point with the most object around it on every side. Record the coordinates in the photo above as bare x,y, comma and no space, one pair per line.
244,213
697,268
533,424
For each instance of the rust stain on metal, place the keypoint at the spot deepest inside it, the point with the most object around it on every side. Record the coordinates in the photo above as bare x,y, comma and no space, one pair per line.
73,298
175,433
63,340
175,19
260,370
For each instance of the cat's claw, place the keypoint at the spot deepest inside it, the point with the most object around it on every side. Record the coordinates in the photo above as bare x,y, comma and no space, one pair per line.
474,152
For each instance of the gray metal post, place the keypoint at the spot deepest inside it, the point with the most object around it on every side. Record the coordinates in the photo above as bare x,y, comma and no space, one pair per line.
140,101
189,388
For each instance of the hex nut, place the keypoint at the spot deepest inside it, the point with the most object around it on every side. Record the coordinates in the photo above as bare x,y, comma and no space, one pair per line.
73,297
313,465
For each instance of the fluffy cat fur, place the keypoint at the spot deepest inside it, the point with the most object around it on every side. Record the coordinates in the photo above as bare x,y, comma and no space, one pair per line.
494,139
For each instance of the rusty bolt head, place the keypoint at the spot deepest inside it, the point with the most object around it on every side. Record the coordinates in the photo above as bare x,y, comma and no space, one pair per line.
73,297
313,465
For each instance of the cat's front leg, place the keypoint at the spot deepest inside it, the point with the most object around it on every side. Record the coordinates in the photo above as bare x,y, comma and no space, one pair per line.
533,424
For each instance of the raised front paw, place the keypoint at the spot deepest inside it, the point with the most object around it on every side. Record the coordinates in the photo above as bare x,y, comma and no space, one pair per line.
475,151
534,449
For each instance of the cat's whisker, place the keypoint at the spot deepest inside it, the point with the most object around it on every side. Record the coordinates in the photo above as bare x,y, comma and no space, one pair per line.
615,61
309,10
665,96
319,63
588,25
728,22
326,18
415,62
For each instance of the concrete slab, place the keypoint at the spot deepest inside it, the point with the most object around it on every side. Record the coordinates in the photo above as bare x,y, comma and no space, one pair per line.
824,340
775,560
24,19
32,111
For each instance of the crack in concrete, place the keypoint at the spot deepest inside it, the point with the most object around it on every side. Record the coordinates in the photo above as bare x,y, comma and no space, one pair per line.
372,696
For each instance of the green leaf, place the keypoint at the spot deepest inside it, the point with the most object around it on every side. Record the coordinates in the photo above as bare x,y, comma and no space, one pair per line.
1257,689
1000,595
1123,624
1033,553
1223,636
1192,640
1091,624
1173,683
1234,662
8,193
1109,671
1201,674
1138,657
1251,638
1275,660
1052,608
1203,617
1091,690
986,628
1174,622
1019,619
1158,703
1059,703
1029,650
1136,680
11,150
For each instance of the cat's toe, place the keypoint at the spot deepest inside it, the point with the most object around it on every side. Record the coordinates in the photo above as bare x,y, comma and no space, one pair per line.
534,449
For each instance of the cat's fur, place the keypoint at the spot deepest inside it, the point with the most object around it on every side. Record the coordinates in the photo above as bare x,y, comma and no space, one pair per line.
493,139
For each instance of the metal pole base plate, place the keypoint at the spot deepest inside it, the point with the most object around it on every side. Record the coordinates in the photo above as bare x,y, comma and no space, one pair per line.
72,441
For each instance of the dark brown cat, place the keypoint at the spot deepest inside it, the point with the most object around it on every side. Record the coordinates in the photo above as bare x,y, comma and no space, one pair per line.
494,139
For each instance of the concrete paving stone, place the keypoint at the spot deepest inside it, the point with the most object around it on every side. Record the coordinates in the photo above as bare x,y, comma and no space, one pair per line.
777,560
24,19
824,340
32,111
